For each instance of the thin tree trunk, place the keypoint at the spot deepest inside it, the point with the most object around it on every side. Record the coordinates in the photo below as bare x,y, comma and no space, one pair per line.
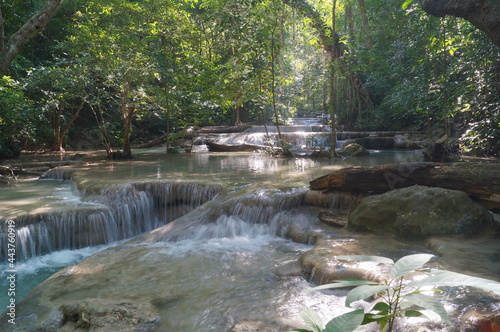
57,130
126,111
21,37
2,33
59,141
366,23
102,128
333,139
264,116
273,85
168,113
127,130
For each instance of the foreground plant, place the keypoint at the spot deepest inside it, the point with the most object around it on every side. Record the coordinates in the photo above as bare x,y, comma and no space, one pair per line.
400,295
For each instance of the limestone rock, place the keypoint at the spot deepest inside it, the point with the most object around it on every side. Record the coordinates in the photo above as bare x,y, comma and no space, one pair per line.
258,326
322,266
401,142
354,150
290,269
490,324
303,234
333,219
375,142
417,212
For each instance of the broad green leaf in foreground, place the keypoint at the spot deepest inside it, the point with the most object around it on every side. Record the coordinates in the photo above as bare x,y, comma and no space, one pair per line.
347,322
312,319
363,292
342,283
409,264
430,303
453,279
366,258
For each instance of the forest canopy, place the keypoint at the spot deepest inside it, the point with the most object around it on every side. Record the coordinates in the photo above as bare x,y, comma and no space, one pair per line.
90,74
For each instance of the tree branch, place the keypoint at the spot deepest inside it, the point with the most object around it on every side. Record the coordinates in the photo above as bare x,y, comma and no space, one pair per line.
483,14
30,29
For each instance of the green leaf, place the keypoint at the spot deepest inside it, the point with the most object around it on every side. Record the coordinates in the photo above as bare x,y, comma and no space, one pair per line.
363,292
312,319
366,258
429,303
406,4
412,313
347,322
342,283
409,264
379,319
382,307
448,278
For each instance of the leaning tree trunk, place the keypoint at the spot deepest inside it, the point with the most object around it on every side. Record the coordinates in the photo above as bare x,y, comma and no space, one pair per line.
10,49
483,14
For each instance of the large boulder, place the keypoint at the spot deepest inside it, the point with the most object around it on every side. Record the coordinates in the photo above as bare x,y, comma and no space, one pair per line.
416,212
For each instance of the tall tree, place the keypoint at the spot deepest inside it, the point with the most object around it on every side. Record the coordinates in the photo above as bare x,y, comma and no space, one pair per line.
109,38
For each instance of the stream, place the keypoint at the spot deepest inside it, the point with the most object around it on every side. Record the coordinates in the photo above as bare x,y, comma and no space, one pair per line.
214,265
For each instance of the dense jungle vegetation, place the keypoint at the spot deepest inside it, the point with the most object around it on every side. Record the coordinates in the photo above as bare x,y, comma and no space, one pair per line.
118,72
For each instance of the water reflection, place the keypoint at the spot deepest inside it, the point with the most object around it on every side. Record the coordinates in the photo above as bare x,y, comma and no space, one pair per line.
231,169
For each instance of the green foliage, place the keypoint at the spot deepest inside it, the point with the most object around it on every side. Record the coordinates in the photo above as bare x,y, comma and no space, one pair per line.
398,296
16,118
204,62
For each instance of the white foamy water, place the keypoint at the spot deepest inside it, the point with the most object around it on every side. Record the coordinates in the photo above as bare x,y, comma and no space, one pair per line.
35,270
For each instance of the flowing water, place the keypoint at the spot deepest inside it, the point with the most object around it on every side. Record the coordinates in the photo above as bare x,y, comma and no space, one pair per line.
217,264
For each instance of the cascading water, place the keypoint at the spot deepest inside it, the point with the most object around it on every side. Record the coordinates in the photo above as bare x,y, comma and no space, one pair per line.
222,258
111,215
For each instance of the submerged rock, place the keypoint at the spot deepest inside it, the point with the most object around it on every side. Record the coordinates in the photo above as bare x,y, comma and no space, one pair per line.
258,326
322,265
354,150
418,212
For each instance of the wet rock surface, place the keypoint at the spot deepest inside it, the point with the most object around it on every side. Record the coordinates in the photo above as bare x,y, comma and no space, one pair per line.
418,212
332,218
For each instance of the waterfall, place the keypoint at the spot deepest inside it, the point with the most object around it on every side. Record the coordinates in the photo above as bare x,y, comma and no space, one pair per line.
111,215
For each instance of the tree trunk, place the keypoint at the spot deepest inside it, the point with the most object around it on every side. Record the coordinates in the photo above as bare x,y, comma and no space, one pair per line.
480,180
57,130
58,143
102,128
366,23
126,111
31,28
333,138
127,130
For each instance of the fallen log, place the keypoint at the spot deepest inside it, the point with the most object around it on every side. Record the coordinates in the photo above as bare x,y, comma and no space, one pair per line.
223,129
480,180
154,142
217,147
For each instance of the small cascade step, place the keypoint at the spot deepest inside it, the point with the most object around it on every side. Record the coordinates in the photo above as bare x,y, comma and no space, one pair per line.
114,214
